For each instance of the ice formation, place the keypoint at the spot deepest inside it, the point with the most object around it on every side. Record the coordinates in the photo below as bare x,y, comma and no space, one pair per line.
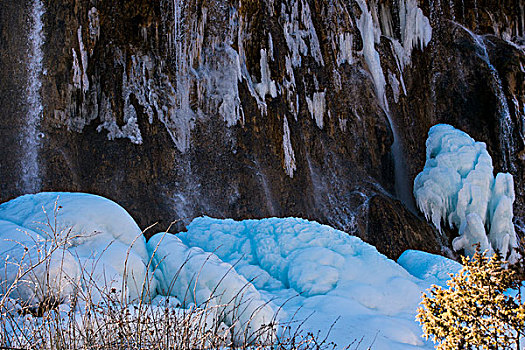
505,122
290,272
95,237
84,60
457,187
314,270
317,107
346,46
415,29
94,25
430,268
370,34
289,156
296,37
267,85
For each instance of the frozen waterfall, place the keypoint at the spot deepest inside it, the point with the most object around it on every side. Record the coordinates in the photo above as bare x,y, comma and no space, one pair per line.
29,137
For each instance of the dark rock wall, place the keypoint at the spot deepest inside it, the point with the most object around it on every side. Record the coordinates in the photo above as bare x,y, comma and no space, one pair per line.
249,109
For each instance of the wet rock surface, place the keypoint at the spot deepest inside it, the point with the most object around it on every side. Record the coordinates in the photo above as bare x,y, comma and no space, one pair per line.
249,109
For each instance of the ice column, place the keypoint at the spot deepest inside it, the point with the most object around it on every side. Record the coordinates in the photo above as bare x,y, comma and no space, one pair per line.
457,186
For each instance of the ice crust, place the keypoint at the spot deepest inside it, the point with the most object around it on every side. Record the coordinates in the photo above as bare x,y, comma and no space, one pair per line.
457,187
250,273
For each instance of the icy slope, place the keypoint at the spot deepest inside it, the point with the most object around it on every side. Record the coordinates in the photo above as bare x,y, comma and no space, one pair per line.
457,186
200,278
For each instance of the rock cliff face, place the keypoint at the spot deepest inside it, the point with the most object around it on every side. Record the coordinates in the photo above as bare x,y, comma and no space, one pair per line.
248,109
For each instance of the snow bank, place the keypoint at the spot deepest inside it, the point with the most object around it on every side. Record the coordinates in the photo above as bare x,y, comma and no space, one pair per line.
248,273
94,236
457,186
429,268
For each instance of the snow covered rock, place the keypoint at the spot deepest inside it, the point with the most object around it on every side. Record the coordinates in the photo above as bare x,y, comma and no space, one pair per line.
457,186
86,236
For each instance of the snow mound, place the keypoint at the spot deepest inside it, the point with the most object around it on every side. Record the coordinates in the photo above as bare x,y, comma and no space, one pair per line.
201,278
457,186
57,276
317,274
96,239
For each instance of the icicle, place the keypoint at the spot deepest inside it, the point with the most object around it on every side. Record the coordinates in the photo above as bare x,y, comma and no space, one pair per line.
289,156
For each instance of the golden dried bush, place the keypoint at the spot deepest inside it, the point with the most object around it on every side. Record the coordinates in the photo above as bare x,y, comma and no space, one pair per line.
478,309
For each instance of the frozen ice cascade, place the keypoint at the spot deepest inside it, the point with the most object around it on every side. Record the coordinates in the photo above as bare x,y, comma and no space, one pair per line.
30,180
457,186
289,271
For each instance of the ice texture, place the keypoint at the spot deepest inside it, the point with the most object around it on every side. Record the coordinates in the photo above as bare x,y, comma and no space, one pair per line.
430,268
346,45
370,34
99,237
29,137
457,186
317,107
415,29
267,85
